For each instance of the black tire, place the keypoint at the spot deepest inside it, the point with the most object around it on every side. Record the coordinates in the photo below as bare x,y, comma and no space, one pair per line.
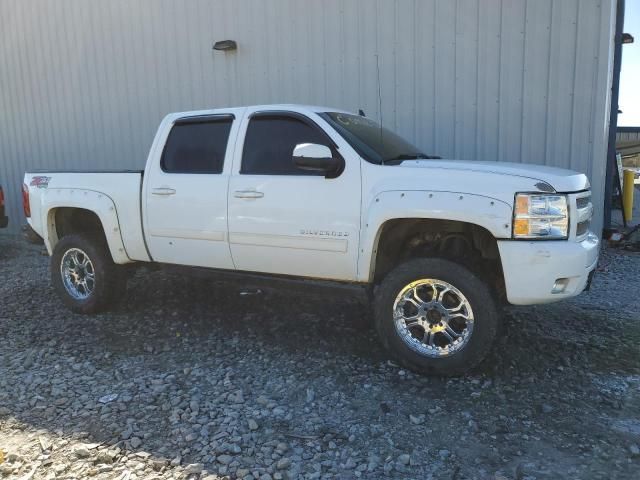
485,325
110,283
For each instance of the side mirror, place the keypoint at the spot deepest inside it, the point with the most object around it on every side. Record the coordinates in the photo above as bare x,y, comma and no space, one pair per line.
316,158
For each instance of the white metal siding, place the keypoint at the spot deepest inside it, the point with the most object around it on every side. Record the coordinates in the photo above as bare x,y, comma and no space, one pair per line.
85,84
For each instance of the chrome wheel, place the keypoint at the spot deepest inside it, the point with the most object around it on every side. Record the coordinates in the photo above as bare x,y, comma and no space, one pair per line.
78,275
433,317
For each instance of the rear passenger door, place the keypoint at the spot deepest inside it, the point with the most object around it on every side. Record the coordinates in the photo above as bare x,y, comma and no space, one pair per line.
186,193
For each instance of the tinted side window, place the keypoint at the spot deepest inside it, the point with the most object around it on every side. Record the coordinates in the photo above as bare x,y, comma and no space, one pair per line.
269,144
197,147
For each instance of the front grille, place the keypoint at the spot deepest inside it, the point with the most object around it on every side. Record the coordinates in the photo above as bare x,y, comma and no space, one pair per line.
584,211
582,202
582,228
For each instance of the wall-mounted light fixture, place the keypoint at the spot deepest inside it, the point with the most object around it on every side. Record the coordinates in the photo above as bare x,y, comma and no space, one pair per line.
225,45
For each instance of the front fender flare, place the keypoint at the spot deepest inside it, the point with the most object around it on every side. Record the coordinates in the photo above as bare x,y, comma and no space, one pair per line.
489,213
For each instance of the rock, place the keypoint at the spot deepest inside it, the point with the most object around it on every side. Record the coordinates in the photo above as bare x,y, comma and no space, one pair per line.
253,425
176,461
546,408
105,456
444,453
350,464
45,444
417,419
135,442
159,464
193,468
6,470
404,459
634,450
242,472
108,398
236,397
81,452
311,395
283,463
224,459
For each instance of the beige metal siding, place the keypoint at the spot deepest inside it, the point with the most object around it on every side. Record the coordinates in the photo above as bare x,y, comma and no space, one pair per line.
628,136
84,84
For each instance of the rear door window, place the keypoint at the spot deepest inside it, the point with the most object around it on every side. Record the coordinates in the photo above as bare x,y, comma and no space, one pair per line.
197,145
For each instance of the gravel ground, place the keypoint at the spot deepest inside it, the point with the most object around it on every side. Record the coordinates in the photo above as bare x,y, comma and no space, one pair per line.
189,378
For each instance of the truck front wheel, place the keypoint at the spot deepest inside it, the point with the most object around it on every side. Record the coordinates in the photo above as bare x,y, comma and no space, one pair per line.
435,316
84,275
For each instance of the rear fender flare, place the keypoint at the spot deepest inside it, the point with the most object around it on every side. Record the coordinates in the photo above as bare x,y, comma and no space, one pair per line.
97,202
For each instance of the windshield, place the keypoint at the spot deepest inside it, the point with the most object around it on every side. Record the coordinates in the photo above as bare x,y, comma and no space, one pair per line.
374,143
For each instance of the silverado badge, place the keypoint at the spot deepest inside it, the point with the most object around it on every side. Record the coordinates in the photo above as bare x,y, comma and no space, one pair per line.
323,233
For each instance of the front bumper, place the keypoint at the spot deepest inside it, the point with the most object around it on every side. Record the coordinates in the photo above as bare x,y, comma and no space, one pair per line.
532,268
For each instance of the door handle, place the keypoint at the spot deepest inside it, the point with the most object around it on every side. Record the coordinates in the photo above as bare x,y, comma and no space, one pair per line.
163,191
248,194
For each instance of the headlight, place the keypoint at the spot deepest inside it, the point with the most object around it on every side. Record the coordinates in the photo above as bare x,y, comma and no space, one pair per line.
540,216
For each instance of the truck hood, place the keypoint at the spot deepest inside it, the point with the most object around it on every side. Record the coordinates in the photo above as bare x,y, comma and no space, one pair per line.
560,179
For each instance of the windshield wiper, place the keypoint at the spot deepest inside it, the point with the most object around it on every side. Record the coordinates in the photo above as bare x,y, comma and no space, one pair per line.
405,156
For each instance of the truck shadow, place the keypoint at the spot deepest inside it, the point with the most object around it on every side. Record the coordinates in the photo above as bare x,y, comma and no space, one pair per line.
321,321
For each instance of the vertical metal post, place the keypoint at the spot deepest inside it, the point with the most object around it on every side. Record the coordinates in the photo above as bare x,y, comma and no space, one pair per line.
613,116
627,194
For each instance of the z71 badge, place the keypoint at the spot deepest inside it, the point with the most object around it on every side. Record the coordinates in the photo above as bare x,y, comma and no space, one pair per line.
40,182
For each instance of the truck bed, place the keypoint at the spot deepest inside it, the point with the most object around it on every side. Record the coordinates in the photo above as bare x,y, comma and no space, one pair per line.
84,171
118,191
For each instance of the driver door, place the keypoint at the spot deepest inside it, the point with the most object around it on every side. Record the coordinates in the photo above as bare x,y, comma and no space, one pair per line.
286,220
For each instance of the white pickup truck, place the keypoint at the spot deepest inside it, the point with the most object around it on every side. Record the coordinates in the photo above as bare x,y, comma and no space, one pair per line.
313,192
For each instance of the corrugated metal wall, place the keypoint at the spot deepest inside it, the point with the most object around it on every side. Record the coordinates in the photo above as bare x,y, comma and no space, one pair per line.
628,134
84,84
628,143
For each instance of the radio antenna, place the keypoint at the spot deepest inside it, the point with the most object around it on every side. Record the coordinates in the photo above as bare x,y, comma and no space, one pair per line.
379,97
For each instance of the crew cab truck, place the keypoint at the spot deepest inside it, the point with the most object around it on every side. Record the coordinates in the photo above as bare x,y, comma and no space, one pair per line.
315,192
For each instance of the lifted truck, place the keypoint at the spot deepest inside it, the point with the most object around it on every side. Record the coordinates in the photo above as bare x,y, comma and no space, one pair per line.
313,192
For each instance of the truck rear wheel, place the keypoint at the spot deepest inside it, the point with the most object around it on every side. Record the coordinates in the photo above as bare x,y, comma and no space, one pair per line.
84,275
435,316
